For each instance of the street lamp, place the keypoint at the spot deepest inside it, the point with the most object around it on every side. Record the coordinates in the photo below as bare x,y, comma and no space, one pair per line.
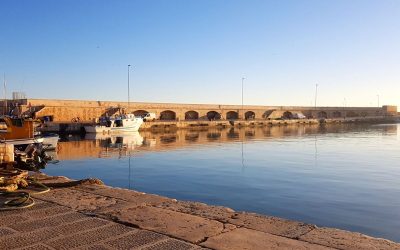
316,92
378,100
243,78
128,87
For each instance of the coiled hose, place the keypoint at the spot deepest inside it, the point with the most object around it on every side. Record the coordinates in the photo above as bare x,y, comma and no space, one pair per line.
21,199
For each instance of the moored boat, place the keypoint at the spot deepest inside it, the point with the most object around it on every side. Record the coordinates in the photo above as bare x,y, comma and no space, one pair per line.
117,124
20,131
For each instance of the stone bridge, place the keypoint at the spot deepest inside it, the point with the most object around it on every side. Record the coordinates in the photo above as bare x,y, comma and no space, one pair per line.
85,111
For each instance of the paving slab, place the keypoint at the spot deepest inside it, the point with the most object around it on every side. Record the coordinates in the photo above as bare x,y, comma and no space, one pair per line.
171,244
6,231
89,237
347,240
59,219
135,240
76,199
184,226
272,225
248,239
133,197
37,247
99,217
17,240
81,226
219,213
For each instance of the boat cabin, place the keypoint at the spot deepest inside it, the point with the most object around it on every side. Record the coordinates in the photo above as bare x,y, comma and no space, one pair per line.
16,128
118,121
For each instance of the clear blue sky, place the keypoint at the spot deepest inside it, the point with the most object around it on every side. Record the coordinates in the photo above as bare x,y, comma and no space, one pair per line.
196,51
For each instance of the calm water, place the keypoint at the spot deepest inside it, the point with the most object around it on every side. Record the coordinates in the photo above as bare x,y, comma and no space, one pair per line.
344,176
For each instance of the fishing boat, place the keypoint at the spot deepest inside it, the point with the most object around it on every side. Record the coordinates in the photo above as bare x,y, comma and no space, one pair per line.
20,131
116,124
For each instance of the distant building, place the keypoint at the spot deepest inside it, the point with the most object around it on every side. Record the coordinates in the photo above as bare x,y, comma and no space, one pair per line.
18,95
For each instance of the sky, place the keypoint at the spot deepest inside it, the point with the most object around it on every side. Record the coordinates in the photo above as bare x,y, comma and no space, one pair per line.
197,51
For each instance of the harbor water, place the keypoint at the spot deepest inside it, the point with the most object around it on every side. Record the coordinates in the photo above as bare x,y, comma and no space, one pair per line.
345,176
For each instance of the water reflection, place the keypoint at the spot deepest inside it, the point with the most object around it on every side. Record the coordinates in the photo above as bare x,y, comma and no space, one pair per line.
104,146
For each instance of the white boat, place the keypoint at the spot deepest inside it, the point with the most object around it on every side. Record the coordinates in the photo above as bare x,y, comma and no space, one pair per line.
118,124
26,141
50,141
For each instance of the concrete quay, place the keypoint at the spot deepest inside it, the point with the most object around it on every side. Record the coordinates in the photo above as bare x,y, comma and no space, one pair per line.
73,128
92,216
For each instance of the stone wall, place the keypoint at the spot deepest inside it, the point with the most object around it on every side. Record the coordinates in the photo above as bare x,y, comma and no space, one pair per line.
82,110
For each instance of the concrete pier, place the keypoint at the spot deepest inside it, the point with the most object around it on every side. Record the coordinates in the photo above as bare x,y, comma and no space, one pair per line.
73,127
100,217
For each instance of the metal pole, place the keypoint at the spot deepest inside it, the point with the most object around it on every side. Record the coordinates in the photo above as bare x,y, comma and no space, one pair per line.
378,100
242,97
316,92
5,96
128,88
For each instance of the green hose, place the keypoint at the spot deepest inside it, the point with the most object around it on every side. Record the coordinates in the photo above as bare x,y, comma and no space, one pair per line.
17,200
21,199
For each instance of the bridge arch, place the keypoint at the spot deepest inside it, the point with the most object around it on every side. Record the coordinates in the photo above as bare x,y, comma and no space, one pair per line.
337,114
192,115
213,115
140,113
287,115
322,114
351,114
168,115
249,115
232,115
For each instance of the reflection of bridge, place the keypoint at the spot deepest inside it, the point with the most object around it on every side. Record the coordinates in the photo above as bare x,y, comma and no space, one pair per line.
150,141
66,110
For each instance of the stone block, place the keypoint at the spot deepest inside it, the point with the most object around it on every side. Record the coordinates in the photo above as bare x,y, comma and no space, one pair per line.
171,244
89,237
271,225
242,238
219,213
133,197
347,240
37,247
76,199
26,239
61,219
6,231
135,240
183,226
80,226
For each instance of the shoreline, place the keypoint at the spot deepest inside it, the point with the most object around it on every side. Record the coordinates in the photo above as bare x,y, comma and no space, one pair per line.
193,224
78,128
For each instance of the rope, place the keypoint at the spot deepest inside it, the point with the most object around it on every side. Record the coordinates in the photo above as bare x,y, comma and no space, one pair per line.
20,199
36,183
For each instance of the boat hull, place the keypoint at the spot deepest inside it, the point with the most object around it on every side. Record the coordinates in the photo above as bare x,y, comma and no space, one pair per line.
24,141
111,130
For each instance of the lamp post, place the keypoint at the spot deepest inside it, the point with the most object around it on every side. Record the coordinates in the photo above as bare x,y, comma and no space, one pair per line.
378,100
128,87
243,78
316,92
